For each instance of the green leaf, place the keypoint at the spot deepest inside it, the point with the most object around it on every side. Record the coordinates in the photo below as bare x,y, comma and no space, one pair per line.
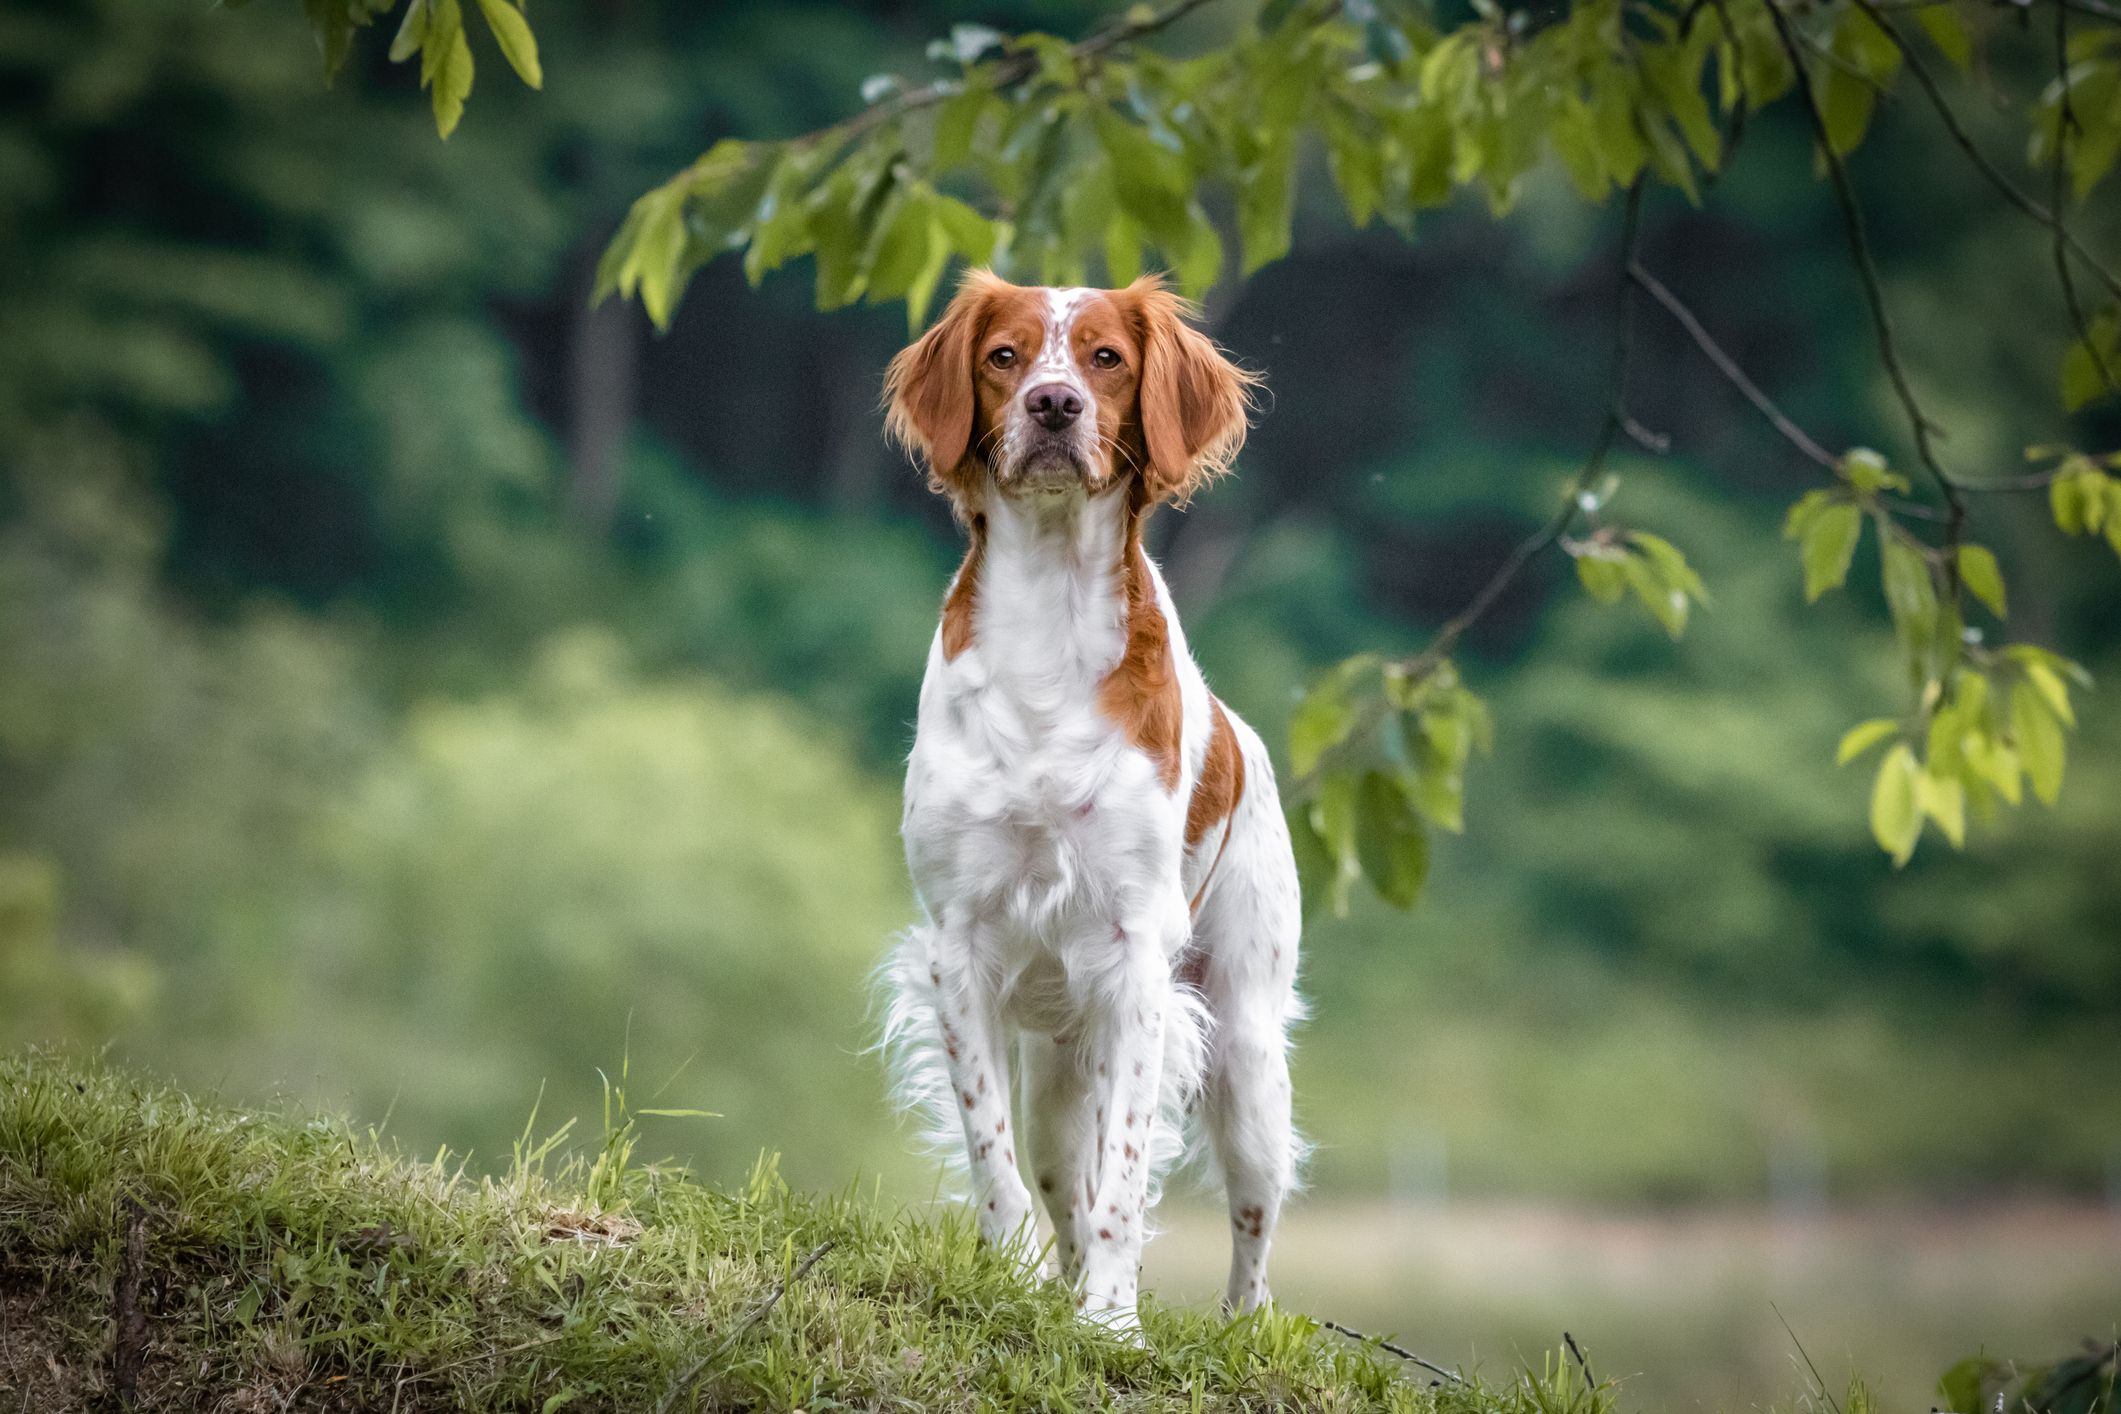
452,81
1670,563
1845,103
412,32
1829,547
2049,685
1667,605
1961,1384
1198,265
2037,735
1942,24
1863,737
1316,868
1867,471
901,249
1334,815
1910,593
2066,502
1603,575
518,45
1327,714
1264,206
2083,383
1389,842
1982,576
1806,509
921,291
956,124
1356,161
1152,183
1896,811
972,234
1943,799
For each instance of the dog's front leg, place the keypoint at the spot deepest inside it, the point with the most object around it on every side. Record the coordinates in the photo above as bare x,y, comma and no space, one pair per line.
1125,1052
976,1047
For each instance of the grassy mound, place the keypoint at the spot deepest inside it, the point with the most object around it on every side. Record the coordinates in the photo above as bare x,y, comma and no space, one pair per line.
200,1258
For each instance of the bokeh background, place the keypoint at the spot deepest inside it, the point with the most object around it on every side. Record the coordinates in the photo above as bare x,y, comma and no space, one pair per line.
422,696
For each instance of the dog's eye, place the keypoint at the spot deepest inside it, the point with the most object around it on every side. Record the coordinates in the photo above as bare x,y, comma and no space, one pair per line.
1002,357
1106,358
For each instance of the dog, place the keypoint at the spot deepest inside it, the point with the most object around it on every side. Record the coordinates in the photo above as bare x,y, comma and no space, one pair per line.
1109,908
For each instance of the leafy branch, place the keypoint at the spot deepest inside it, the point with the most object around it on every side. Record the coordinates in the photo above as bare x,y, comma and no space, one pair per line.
1063,162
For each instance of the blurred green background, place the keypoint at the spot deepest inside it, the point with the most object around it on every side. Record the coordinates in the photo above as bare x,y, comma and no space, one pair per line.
418,691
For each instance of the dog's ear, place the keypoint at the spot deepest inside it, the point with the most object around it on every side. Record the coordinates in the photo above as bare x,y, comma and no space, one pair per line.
928,394
1194,400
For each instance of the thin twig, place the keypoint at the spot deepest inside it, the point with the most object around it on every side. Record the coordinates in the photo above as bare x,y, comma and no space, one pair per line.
1390,1349
1015,68
2029,481
1881,321
751,1318
128,1341
1614,422
2100,8
1582,1360
1726,365
2065,125
2046,216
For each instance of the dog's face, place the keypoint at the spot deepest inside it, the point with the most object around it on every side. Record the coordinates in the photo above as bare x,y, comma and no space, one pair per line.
1022,391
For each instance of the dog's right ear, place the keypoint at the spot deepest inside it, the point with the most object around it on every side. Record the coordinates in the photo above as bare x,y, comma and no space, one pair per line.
928,394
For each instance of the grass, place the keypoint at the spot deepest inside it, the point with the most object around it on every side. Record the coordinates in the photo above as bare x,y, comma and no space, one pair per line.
285,1261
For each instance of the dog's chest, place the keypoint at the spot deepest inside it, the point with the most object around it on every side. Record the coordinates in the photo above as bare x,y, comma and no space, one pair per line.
1025,798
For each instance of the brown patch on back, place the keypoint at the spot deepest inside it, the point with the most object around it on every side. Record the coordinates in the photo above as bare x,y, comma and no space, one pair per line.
964,594
1140,694
1222,776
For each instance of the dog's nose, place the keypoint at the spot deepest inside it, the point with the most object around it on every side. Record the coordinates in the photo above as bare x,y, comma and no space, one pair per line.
1055,405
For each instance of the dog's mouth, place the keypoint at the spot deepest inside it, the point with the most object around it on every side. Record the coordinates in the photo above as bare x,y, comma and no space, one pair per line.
1051,463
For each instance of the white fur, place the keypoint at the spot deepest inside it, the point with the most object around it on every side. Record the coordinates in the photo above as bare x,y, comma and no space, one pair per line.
1050,864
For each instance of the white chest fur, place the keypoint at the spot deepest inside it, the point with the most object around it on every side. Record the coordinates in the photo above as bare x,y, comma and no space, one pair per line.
1026,804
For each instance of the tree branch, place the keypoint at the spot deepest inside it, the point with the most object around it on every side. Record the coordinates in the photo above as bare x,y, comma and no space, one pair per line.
2065,125
1615,422
2046,216
1390,1349
1726,365
1014,68
1881,321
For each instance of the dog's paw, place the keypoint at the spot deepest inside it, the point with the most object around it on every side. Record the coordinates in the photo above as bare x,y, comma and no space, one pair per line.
1120,1320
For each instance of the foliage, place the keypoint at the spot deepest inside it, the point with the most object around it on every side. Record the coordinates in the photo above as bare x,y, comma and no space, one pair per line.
301,1258
2076,1384
1050,159
227,829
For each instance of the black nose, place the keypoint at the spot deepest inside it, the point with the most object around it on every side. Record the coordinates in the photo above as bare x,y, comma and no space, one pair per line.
1055,405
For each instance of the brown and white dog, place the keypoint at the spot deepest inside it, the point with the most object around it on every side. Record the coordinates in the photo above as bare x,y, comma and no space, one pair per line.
1110,906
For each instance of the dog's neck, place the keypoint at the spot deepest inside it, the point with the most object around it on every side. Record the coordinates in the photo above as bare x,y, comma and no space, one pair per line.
1051,583
1067,612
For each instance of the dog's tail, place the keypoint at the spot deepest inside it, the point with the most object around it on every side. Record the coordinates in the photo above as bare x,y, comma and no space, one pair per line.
911,1042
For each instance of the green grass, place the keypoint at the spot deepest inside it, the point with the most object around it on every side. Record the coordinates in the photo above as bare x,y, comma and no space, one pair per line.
291,1262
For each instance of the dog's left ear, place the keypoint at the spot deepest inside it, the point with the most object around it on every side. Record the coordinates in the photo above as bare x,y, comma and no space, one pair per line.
1194,400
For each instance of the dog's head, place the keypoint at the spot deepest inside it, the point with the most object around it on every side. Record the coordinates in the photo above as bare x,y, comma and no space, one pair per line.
1028,391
